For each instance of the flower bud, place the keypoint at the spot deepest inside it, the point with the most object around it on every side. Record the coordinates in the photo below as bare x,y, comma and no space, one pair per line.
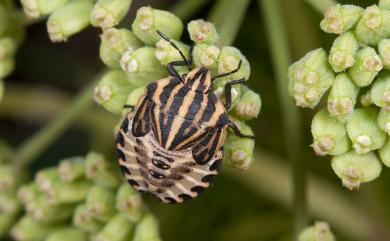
29,192
365,99
202,32
6,221
165,53
329,134
249,105
367,66
66,192
71,169
354,169
82,218
115,42
384,153
342,53
27,229
118,228
238,151
310,78
133,97
129,202
320,231
342,96
229,59
108,13
37,8
148,20
147,229
207,56
363,130
67,233
143,64
100,171
8,178
380,91
7,47
384,4
68,20
384,120
112,91
373,26
9,202
41,210
101,203
46,177
384,52
7,65
341,18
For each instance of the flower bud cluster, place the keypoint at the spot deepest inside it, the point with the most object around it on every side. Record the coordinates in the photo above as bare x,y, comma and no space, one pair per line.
139,56
355,126
81,198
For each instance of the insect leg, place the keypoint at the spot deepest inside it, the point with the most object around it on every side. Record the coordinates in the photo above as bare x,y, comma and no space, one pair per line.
228,73
131,107
186,63
171,68
228,91
237,131
191,57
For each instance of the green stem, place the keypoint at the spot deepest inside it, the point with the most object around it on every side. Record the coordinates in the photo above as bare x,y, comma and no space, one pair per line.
321,5
291,120
36,144
185,8
227,15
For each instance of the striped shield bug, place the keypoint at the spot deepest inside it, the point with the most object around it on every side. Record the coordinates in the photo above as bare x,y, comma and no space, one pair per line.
170,144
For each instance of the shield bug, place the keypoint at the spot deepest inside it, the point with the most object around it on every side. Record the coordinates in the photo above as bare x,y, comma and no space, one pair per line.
170,144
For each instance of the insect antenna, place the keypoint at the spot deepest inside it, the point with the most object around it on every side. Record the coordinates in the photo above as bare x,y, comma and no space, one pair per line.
175,46
228,73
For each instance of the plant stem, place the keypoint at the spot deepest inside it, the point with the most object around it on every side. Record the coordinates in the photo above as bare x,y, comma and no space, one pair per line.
36,144
227,15
321,5
185,8
291,120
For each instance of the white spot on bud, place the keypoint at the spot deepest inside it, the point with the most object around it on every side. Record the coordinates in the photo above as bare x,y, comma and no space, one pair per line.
102,93
31,8
323,145
102,18
55,32
311,78
210,56
146,18
351,178
362,144
127,62
373,64
228,64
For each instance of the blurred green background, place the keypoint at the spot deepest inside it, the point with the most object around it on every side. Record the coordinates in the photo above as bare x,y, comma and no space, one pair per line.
242,206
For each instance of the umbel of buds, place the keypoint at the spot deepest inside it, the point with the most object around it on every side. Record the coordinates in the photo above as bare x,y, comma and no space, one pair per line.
354,132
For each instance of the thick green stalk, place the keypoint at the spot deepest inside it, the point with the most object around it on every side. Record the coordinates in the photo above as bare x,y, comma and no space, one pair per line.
36,144
281,59
321,5
227,15
185,8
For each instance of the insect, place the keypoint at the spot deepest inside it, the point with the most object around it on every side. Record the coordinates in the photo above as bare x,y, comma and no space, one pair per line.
170,144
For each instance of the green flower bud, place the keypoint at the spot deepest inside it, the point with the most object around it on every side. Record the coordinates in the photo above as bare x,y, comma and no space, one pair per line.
9,202
6,221
207,56
108,13
367,66
100,203
342,53
365,99
310,78
43,211
384,52
100,171
249,105
143,64
341,18
133,97
112,91
148,20
46,177
147,229
71,169
68,20
29,192
67,233
384,121
363,130
384,4
83,219
9,179
7,65
329,134
119,228
354,169
380,91
342,96
373,26
384,153
69,192
7,47
116,42
320,231
202,32
238,151
129,202
27,229
229,60
37,8
165,53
